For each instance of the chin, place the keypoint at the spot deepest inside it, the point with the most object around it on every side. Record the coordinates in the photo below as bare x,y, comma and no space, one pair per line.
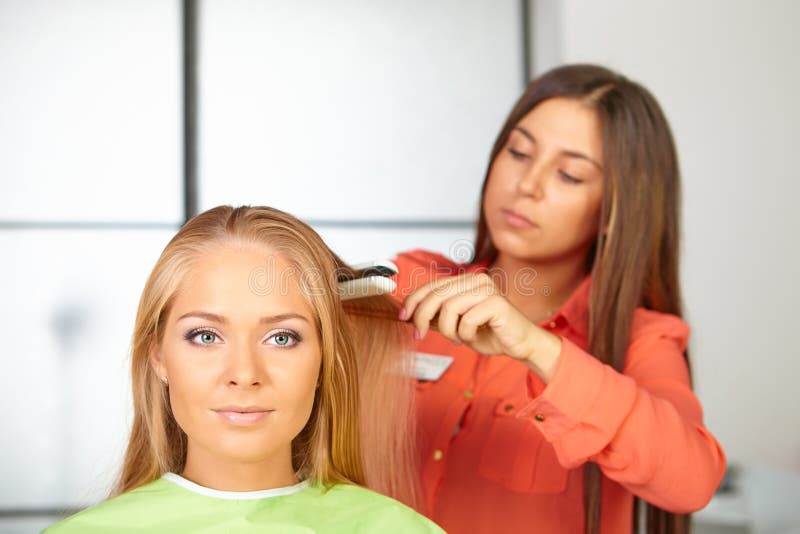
513,244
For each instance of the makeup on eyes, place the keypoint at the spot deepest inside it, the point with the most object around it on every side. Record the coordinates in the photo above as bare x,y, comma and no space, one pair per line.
279,335
570,178
285,333
517,154
194,332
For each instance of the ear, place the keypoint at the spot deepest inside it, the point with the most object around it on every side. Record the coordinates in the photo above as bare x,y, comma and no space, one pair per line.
157,363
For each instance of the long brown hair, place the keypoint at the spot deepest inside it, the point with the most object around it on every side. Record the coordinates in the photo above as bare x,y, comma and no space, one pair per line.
634,259
362,380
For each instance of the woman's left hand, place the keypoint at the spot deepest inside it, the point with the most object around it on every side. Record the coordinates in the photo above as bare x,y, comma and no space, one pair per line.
471,310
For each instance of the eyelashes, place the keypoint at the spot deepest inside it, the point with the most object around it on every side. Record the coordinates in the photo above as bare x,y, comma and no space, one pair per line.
568,178
516,154
285,338
202,333
206,337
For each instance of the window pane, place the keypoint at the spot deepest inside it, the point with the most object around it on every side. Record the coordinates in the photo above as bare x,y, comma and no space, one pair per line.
354,110
69,304
90,126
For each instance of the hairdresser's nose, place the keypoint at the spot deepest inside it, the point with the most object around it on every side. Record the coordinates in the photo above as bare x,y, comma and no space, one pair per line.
532,182
245,369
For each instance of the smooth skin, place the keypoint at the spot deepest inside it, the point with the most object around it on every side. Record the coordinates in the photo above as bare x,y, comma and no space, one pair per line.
542,207
227,348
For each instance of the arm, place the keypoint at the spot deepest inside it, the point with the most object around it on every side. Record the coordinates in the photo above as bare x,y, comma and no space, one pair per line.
643,427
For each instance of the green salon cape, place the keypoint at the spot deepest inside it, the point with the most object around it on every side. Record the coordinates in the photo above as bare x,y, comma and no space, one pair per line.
173,504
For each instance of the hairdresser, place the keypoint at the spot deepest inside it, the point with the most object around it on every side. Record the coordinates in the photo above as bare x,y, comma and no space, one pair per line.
554,392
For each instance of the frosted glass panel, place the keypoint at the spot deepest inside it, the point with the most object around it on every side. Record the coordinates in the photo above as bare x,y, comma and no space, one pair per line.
90,126
69,302
354,110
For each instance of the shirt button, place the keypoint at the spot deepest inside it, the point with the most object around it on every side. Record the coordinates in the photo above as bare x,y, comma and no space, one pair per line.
539,417
438,454
552,324
468,394
508,408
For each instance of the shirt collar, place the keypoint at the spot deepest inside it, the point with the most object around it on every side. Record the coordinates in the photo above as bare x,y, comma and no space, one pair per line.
575,310
234,495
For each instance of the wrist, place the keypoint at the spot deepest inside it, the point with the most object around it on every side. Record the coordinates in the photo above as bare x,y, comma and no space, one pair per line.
544,354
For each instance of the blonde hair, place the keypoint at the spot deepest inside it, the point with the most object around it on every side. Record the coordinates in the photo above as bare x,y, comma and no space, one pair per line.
361,426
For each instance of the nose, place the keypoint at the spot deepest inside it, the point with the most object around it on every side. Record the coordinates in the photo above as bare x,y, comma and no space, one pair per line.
246,368
531,183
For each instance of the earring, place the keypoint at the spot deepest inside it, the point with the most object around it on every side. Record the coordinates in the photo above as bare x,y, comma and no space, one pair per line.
164,379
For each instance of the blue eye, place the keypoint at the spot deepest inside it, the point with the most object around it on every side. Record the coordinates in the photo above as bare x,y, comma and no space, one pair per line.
207,338
284,338
202,337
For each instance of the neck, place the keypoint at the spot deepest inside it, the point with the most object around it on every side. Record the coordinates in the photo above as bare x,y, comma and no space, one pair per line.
226,474
538,288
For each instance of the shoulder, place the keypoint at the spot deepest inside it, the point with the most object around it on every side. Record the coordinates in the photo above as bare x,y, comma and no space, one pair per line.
657,346
119,514
373,512
650,324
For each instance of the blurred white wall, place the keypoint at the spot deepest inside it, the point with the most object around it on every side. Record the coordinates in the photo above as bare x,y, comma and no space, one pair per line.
726,73
90,191
349,114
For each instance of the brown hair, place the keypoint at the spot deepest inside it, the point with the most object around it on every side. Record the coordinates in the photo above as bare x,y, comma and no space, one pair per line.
361,378
634,260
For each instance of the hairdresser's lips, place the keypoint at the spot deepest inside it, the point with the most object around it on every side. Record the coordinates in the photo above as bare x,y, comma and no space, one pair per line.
243,415
516,220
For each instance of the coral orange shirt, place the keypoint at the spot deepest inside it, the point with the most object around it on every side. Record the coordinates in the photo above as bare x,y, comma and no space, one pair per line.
503,452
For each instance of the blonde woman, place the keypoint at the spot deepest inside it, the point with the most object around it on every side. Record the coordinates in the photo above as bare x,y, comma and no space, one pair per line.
246,393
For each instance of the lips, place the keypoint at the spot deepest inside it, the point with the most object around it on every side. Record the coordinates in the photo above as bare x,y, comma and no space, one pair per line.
243,415
517,220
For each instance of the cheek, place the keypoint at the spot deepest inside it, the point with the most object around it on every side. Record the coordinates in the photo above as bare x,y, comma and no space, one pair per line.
299,390
305,378
498,184
494,197
189,408
191,382
582,216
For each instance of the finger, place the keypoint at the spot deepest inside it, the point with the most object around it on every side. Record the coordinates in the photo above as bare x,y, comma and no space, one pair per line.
453,308
476,287
474,318
425,311
413,299
442,287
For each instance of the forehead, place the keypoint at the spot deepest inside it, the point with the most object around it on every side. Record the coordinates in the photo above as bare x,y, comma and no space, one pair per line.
565,123
242,282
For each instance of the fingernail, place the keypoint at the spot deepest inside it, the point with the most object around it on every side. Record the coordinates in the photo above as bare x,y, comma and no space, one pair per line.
402,314
416,334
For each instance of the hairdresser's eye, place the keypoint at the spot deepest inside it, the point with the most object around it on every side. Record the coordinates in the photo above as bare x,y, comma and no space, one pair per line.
569,178
516,154
283,338
202,336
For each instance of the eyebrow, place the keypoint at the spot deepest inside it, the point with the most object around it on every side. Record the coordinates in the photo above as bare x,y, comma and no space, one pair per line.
264,320
569,153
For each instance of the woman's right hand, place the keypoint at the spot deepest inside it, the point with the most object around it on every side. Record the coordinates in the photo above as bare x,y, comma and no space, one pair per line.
469,308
